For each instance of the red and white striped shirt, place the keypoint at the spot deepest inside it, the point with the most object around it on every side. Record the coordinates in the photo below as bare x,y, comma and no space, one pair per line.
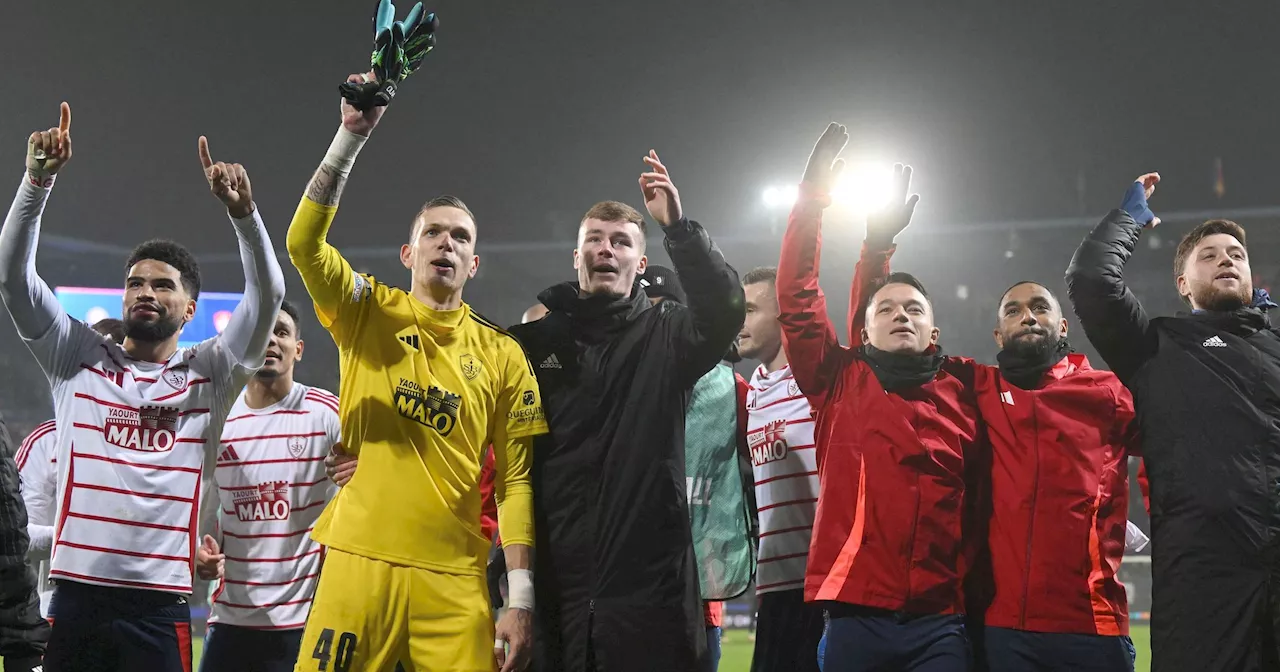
780,436
38,467
272,488
132,440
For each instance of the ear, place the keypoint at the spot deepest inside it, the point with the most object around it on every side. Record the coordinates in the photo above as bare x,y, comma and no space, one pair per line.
866,337
1183,285
577,259
190,312
406,256
999,338
934,333
297,355
1062,328
644,263
475,266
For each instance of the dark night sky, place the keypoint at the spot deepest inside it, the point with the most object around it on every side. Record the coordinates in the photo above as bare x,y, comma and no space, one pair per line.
533,111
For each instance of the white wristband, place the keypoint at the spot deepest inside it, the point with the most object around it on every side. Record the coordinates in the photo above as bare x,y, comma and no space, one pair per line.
520,589
344,150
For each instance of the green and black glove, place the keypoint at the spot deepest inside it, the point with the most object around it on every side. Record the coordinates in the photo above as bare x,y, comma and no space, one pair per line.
398,50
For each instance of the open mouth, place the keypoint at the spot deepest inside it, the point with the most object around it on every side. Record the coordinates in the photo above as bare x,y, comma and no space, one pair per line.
443,264
1227,275
274,355
604,268
901,330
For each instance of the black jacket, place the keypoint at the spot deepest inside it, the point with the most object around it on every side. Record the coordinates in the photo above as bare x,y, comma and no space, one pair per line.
616,585
1206,388
23,633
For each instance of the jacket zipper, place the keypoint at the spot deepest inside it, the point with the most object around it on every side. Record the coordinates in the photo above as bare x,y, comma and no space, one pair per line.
1031,522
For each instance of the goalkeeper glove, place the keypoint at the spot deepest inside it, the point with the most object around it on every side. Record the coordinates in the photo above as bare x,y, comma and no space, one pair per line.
399,48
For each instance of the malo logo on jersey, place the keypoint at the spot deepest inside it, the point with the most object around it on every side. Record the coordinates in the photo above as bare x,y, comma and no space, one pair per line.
297,444
267,501
769,443
435,408
177,378
470,367
149,429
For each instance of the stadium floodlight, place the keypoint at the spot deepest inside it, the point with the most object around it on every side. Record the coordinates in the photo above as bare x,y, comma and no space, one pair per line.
781,197
863,187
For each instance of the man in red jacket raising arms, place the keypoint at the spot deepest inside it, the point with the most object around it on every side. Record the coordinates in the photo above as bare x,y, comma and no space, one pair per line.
896,422
1060,434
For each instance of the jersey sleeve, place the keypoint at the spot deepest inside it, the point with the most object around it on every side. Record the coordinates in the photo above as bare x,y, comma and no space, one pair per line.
336,290
518,419
39,486
519,409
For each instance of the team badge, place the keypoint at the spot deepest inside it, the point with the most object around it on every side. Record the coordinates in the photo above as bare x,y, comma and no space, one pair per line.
296,445
793,389
470,367
176,378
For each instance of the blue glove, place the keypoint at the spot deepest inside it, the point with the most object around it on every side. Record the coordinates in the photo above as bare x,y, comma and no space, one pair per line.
1135,203
1262,300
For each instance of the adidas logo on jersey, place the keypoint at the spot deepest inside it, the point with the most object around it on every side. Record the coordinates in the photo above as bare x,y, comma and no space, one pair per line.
411,340
229,455
551,362
1215,342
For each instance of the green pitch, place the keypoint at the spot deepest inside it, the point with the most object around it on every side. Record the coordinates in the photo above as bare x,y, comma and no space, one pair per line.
736,648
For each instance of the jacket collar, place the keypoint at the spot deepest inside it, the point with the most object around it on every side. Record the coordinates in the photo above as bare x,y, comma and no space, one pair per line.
594,312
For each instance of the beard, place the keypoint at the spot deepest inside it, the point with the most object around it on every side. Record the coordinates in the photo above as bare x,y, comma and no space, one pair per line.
1216,300
151,332
1030,349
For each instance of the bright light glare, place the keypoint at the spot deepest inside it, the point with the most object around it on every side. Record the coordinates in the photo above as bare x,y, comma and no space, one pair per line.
864,187
781,197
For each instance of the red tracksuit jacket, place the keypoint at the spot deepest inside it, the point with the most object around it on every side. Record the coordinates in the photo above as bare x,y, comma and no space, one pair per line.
1060,494
891,467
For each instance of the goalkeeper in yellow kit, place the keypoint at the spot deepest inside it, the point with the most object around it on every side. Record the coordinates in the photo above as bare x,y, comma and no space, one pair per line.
426,385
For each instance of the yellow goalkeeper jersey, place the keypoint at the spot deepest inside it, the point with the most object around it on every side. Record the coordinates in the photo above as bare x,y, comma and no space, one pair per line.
423,394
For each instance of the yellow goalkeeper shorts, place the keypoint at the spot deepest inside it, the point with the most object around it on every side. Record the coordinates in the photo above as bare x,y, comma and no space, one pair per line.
368,615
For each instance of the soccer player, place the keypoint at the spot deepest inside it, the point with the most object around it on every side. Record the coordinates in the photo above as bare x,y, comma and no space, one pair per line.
137,423
272,487
780,426
896,425
1206,384
427,384
37,462
1061,435
615,555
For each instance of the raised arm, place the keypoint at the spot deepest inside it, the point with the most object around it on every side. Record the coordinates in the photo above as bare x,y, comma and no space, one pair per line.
1110,314
878,247
809,337
31,304
249,329
328,277
716,306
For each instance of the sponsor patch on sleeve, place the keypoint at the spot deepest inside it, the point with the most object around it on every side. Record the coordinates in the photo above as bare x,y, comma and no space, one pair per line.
360,288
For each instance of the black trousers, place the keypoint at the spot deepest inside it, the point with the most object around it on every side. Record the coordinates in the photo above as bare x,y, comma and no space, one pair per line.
101,629
787,633
228,648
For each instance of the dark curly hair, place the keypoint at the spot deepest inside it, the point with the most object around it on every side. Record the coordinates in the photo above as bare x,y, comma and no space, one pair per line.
175,255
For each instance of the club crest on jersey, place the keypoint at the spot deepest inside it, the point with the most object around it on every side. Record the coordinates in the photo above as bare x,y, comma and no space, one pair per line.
793,389
435,407
176,378
150,429
265,501
297,444
769,443
470,367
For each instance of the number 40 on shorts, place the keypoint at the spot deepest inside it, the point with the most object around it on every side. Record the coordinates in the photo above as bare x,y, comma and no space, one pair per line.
341,654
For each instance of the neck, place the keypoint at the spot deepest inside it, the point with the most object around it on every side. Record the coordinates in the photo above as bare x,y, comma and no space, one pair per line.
263,392
583,294
437,298
158,352
777,361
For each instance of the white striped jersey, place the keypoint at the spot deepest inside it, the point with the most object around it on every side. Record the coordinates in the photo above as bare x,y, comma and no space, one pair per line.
272,488
780,427
38,470
133,440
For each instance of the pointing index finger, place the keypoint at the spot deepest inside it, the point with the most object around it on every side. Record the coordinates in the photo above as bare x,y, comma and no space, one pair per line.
205,161
64,119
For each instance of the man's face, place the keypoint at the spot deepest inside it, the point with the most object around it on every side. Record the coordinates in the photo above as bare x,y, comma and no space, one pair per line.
609,256
156,305
1030,320
761,333
283,350
900,319
442,251
1216,274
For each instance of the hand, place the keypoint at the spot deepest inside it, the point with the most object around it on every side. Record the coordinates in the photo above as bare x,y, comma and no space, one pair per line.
228,181
1135,200
361,122
210,562
824,167
47,151
340,466
660,195
516,629
884,225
